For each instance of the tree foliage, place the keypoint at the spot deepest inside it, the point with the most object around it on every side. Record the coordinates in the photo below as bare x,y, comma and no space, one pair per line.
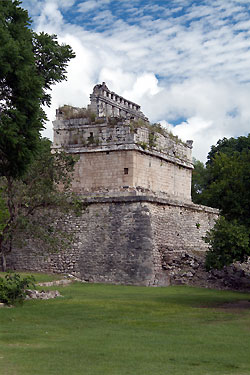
199,177
229,147
29,65
51,60
228,177
33,204
30,175
226,186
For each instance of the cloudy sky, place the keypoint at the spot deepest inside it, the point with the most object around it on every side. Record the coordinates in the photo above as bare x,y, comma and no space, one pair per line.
186,62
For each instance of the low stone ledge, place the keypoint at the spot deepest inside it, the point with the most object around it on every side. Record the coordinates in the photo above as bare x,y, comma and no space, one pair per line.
56,282
126,145
149,199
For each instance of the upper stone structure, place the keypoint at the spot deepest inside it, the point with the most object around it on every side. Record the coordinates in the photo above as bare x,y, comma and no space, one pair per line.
122,154
106,103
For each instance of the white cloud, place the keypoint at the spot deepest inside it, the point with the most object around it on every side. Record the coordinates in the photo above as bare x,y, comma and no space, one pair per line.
144,85
87,6
186,62
90,5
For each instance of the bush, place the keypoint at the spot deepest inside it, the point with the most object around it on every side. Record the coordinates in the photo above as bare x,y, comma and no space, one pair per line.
228,242
12,288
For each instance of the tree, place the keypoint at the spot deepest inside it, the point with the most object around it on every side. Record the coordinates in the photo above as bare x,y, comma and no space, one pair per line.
31,206
227,188
29,65
228,184
228,147
199,179
225,174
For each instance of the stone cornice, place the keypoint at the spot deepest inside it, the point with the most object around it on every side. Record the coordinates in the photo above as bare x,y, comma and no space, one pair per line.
125,147
149,199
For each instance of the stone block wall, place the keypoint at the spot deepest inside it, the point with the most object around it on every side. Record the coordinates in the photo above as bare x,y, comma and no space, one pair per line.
114,157
178,232
99,170
79,134
159,175
76,136
127,240
119,170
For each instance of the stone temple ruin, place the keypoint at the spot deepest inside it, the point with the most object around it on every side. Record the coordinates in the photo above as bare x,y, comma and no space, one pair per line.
120,152
105,103
139,226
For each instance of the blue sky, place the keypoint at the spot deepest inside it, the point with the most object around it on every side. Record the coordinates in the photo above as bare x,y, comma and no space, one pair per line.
187,63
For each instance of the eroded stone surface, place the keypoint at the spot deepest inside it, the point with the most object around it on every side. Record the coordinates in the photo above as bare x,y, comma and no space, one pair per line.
35,294
128,240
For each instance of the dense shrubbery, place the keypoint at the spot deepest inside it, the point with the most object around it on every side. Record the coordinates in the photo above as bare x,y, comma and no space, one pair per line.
224,183
12,288
229,241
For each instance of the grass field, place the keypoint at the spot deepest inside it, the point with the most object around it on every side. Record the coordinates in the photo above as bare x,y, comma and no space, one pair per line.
126,330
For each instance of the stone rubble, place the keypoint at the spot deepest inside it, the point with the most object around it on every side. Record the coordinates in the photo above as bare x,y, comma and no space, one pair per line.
56,282
35,294
188,269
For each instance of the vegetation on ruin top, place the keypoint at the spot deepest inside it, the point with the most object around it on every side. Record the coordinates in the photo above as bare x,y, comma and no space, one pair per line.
155,128
68,112
110,329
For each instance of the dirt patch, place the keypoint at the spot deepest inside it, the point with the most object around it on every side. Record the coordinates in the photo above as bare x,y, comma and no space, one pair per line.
244,304
5,306
235,306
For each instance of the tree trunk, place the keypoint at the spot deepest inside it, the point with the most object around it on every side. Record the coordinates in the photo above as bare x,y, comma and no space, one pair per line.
4,266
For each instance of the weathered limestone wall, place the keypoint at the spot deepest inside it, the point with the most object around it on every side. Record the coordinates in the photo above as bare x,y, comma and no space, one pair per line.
78,133
114,157
158,175
179,248
112,170
113,245
127,240
103,170
76,136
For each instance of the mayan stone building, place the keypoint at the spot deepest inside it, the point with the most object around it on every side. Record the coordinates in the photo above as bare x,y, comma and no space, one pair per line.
140,225
120,152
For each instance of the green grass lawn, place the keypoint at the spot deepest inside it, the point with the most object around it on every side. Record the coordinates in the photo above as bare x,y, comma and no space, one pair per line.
113,330
40,277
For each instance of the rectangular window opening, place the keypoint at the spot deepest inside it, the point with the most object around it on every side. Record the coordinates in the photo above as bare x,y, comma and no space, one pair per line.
125,170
